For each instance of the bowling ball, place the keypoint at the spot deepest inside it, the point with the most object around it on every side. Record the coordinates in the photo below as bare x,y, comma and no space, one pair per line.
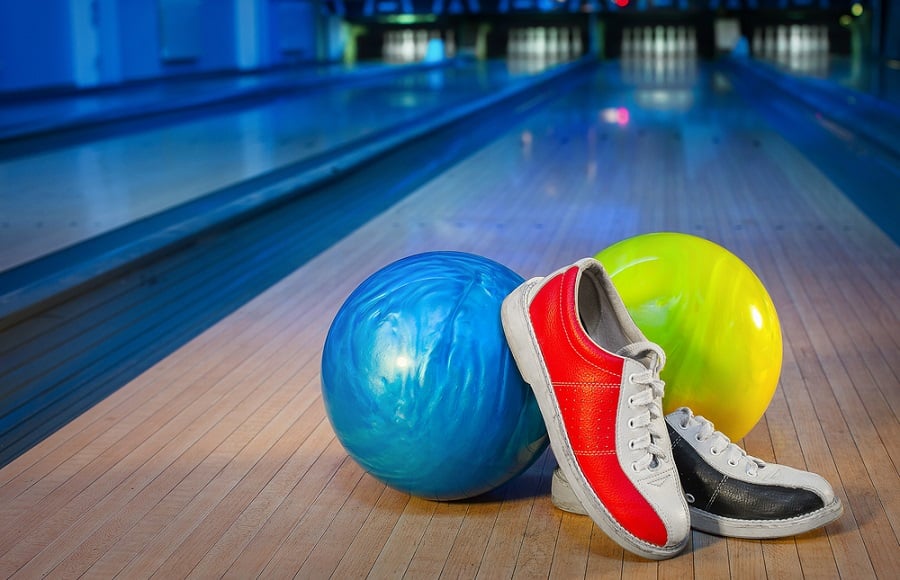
712,316
419,383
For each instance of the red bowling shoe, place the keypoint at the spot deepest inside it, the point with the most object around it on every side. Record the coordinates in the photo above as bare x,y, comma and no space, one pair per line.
596,379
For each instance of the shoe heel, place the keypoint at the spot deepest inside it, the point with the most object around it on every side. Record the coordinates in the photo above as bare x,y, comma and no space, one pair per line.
514,317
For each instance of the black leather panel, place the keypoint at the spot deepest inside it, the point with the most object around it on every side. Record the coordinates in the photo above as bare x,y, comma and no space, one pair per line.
718,494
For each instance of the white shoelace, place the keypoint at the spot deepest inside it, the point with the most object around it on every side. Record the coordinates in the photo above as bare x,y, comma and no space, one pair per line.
650,400
721,443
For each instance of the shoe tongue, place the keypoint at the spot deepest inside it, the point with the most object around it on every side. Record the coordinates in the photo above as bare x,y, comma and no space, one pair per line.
647,353
681,417
679,412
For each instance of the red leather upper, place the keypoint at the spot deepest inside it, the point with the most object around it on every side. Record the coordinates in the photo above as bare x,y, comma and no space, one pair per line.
587,381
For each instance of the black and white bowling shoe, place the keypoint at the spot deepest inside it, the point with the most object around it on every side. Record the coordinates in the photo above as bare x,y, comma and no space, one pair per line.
731,493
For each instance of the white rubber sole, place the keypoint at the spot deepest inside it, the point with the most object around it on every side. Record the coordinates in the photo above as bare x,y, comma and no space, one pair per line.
526,352
765,529
564,498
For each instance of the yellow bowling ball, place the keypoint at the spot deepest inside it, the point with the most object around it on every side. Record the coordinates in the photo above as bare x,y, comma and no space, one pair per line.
712,316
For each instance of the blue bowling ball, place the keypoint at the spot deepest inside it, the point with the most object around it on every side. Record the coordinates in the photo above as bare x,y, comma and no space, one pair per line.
419,383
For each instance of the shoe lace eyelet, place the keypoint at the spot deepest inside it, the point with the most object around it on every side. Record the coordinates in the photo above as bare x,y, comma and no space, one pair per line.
631,377
697,437
689,498
732,463
631,445
634,467
714,451
631,401
631,423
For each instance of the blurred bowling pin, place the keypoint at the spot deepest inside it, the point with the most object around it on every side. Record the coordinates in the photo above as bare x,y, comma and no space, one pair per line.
781,41
421,44
552,43
408,46
540,45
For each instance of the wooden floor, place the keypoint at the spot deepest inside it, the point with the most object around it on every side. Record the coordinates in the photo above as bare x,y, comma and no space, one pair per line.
219,460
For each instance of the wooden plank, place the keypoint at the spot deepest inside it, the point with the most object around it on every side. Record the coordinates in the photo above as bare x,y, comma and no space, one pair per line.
681,566
541,532
369,542
438,539
605,558
469,548
406,536
348,521
710,556
572,547
506,540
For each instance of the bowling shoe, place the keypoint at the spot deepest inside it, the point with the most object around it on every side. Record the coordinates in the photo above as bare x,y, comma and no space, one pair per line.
596,380
731,493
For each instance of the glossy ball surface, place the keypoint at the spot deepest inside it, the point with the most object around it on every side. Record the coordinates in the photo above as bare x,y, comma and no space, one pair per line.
713,317
419,383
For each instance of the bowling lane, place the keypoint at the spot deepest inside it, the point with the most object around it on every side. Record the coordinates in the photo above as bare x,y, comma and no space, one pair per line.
804,51
633,149
859,121
23,116
644,145
663,144
67,195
